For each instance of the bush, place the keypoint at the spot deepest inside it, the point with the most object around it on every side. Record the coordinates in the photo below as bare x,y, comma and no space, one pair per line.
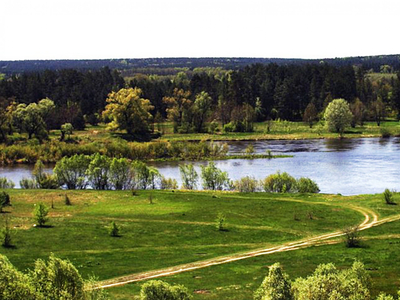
213,178
168,183
40,214
246,185
220,222
114,229
4,200
351,237
6,236
27,183
189,176
6,183
306,185
388,196
160,290
67,201
279,183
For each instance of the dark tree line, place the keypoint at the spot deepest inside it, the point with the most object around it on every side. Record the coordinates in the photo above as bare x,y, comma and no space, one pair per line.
74,93
238,97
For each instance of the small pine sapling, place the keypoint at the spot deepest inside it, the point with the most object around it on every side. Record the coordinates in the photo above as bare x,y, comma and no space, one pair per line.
114,229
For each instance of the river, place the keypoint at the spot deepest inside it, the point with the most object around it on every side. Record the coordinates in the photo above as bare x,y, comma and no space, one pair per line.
347,166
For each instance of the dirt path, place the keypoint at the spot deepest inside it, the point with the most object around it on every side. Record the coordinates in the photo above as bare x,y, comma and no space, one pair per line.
370,220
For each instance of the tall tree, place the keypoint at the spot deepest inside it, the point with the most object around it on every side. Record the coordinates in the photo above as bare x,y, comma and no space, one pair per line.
128,111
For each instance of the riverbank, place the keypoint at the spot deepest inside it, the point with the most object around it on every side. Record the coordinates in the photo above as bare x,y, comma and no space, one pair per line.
285,130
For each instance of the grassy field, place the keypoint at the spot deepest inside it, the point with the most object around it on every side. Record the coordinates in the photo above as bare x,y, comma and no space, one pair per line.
179,227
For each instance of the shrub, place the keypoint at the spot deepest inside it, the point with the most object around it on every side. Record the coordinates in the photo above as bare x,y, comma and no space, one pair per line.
27,183
220,222
246,184
279,183
67,201
168,183
351,237
4,200
306,185
6,183
275,286
213,178
388,196
114,229
6,236
40,214
160,290
189,176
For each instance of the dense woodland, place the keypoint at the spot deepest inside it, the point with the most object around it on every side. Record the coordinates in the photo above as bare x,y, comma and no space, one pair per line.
194,98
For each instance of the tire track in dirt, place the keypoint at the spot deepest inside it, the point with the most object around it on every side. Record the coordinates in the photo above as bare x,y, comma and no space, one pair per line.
370,220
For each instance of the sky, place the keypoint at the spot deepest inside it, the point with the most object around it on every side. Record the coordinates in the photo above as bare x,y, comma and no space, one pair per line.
105,29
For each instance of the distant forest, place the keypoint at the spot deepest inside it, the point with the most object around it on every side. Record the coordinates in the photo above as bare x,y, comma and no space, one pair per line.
239,90
165,66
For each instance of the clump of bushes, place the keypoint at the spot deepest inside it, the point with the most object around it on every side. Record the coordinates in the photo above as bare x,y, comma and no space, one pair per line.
246,184
285,183
6,183
157,289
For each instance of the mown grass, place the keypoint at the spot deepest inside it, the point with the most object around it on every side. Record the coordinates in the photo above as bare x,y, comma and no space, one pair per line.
178,227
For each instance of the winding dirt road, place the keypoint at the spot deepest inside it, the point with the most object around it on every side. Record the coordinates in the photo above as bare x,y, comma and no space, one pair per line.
370,220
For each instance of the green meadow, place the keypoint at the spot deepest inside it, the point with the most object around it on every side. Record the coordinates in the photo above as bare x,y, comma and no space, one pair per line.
160,229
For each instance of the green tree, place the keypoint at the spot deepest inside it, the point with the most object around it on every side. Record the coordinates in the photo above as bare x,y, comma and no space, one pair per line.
120,174
327,280
189,176
275,286
40,213
359,111
66,129
14,284
31,118
71,171
213,178
310,114
98,172
377,110
43,179
202,109
57,279
338,116
160,290
128,111
178,111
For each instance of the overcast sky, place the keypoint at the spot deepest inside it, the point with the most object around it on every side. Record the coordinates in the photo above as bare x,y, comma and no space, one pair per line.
95,29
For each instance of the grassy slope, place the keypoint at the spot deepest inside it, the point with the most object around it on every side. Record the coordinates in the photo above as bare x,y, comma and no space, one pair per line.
177,228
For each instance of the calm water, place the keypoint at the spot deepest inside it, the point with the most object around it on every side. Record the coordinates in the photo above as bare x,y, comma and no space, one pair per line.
349,167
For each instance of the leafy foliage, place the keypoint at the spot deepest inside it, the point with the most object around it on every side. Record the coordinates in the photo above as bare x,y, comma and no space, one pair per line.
338,116
40,213
128,111
189,176
275,286
213,178
160,290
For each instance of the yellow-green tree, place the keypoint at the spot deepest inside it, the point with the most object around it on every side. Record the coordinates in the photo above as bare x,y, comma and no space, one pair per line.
179,105
129,111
